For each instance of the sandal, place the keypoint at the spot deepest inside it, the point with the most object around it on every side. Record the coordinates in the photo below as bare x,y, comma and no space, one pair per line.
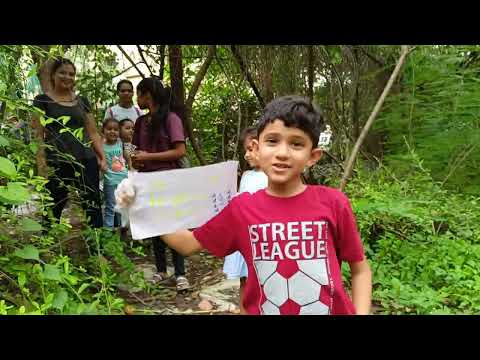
182,283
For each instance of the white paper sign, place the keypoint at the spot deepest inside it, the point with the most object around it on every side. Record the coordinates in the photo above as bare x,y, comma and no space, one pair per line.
167,201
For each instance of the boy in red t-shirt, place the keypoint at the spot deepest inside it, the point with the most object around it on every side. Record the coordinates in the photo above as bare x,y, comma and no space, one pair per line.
292,236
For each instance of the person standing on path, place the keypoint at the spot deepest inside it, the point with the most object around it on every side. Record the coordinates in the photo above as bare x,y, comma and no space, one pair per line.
72,161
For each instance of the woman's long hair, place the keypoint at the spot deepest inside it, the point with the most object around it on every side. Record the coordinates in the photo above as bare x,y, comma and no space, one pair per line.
162,97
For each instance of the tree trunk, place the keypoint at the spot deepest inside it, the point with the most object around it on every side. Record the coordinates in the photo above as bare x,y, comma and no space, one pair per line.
178,92
267,72
311,71
161,71
355,98
247,74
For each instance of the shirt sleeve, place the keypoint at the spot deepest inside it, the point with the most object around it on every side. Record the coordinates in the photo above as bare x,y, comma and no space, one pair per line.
107,114
244,182
175,128
349,245
40,102
85,104
218,235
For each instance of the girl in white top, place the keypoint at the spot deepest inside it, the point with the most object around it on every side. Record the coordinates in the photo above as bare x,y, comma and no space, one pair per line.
125,108
253,180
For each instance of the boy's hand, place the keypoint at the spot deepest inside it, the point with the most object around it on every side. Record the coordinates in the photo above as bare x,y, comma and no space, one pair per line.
125,193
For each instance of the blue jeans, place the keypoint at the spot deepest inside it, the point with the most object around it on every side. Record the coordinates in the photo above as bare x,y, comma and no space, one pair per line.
112,218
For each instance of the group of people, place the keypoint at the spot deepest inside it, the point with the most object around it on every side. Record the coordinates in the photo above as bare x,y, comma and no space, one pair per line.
129,139
285,240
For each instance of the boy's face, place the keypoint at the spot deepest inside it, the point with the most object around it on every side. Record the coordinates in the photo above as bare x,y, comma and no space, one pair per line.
249,153
284,152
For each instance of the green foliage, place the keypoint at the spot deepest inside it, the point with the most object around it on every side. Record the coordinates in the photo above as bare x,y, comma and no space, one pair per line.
96,68
437,113
423,242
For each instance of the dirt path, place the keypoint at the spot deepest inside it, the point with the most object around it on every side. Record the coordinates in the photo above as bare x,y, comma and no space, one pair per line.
206,280
203,271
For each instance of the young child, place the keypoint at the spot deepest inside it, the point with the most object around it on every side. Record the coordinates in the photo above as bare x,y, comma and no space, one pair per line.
126,135
293,236
252,181
116,172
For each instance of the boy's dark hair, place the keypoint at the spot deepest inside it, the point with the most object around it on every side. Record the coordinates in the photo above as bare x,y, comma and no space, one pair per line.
250,131
294,111
59,62
124,81
123,121
108,121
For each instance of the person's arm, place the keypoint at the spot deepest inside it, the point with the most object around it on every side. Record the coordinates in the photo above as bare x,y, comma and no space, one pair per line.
40,157
127,158
361,286
176,153
97,143
183,241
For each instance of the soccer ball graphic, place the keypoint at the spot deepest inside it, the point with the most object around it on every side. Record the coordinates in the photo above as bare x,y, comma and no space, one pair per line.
294,287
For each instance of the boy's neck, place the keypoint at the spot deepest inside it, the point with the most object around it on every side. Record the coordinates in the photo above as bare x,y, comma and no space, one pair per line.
286,189
110,142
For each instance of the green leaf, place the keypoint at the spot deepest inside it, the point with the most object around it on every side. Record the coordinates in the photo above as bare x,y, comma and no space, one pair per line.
64,119
29,252
4,141
30,225
14,193
7,168
22,279
82,287
33,71
61,298
52,272
33,147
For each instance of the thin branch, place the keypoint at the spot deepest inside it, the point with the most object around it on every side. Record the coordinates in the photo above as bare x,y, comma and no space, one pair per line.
351,160
131,61
140,51
376,60
245,71
461,158
124,71
200,75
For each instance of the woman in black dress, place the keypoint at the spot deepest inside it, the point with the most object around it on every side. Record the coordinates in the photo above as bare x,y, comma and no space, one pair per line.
72,161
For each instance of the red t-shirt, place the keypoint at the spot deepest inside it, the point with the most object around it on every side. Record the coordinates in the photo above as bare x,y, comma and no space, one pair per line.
169,134
293,248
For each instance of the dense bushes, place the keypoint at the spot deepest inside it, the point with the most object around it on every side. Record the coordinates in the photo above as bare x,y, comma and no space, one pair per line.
423,242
